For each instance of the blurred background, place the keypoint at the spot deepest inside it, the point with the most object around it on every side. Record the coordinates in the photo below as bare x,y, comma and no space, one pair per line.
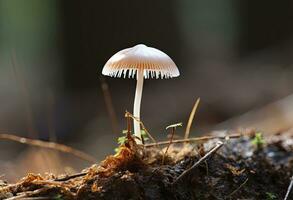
235,55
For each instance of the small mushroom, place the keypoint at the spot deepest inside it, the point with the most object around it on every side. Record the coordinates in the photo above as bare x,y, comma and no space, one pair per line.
144,62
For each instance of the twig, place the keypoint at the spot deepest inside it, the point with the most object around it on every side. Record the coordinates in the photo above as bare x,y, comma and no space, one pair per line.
188,171
191,117
66,178
26,195
289,189
196,139
128,114
128,120
22,196
48,145
242,184
109,105
36,198
50,183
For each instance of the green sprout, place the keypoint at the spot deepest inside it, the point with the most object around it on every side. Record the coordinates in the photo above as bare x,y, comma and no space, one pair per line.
271,196
121,140
144,135
258,140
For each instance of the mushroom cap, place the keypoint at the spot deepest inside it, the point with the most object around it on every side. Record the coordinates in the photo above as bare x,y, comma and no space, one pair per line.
153,62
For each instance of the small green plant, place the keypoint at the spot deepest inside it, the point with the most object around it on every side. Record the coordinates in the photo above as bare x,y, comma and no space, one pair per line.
258,140
271,196
121,140
144,135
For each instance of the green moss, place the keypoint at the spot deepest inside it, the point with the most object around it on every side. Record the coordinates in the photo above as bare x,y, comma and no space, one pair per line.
258,140
271,196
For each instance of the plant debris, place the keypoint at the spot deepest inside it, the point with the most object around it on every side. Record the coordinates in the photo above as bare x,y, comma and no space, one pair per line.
237,169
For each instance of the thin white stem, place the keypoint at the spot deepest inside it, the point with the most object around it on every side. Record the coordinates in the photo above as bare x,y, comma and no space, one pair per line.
137,101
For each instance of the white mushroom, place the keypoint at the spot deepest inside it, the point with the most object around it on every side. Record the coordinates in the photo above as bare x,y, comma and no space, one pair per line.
144,62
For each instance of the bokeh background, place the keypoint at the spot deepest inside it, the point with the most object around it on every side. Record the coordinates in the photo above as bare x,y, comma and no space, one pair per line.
235,55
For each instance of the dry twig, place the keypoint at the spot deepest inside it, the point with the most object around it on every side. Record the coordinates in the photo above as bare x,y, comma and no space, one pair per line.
23,197
195,139
188,171
237,189
191,117
28,195
66,178
48,145
128,114
289,189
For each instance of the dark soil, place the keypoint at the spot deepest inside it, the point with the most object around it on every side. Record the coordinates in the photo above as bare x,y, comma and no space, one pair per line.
238,170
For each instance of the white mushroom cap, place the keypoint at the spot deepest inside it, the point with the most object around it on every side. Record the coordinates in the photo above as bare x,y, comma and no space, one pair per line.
153,62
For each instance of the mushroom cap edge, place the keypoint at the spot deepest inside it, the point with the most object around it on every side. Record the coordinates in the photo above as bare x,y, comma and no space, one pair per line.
153,62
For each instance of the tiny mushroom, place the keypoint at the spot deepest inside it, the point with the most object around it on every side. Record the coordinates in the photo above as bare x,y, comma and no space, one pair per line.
144,62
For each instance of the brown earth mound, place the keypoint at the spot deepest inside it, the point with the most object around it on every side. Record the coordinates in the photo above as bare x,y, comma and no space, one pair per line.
241,168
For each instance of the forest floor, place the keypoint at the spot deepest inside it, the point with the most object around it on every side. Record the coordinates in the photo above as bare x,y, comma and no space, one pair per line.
231,166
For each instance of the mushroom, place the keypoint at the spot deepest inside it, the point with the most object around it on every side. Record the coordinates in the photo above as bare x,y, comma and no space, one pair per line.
144,62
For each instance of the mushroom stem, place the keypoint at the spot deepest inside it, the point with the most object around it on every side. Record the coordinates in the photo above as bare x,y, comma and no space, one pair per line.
137,101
